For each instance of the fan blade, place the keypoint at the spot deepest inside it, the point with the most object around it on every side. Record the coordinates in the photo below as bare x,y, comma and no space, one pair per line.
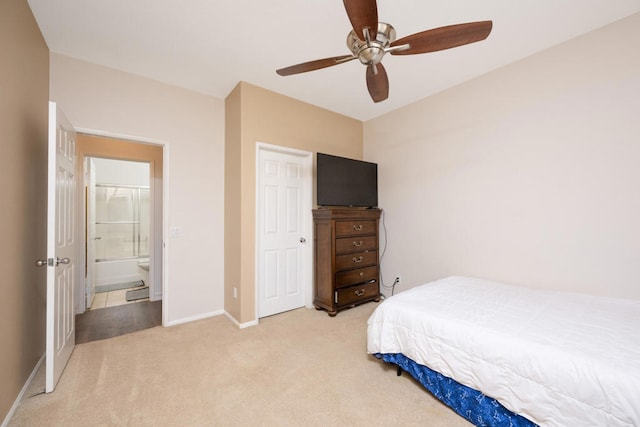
314,65
377,82
363,14
443,38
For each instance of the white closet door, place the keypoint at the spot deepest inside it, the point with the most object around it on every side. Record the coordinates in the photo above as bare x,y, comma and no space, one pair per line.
282,195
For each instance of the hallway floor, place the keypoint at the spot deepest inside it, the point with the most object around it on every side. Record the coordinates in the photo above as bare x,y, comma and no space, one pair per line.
118,320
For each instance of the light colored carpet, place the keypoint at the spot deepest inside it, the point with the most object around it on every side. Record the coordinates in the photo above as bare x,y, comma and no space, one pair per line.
300,368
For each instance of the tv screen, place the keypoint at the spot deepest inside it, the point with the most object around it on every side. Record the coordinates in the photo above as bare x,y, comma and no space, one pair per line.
346,182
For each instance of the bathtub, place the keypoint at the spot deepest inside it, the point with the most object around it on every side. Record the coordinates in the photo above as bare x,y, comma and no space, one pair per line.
121,271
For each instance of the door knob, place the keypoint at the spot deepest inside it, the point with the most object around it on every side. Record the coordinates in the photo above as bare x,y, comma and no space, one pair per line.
303,240
45,262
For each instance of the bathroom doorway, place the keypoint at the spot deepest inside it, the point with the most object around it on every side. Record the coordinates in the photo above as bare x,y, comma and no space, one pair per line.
122,229
118,224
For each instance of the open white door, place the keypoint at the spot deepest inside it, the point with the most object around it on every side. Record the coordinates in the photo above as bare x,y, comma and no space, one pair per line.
61,245
90,215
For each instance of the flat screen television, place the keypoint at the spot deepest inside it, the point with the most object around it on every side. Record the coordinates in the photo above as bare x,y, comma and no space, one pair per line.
346,182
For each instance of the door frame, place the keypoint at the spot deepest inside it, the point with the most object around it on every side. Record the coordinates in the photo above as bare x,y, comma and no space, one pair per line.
307,200
165,209
89,176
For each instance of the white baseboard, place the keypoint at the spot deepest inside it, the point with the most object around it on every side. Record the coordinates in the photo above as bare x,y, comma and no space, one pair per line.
212,314
238,324
13,409
194,318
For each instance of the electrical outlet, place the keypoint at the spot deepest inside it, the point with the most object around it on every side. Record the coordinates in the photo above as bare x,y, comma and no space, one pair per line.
235,292
175,232
398,280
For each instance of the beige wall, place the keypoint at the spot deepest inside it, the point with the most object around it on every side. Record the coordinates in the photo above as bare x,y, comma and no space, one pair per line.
24,95
528,174
192,125
232,202
258,115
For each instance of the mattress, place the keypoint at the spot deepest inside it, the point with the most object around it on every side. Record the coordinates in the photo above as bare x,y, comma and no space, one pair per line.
556,358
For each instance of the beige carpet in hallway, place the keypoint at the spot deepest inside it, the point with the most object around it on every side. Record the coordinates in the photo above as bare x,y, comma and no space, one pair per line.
300,368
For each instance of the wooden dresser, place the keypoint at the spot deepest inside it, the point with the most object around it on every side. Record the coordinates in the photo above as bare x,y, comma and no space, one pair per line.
346,257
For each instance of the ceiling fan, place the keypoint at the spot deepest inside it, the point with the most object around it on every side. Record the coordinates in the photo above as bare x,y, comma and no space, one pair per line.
370,40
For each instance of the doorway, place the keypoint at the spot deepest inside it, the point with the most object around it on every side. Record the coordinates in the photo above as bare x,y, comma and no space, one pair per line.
121,215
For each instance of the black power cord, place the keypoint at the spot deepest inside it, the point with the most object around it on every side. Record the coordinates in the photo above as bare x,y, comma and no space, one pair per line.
384,249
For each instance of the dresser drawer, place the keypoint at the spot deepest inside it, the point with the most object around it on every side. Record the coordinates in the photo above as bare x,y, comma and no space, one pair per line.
352,277
354,294
356,244
355,228
356,260
346,257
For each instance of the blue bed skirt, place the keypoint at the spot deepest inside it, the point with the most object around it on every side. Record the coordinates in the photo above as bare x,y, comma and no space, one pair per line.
469,403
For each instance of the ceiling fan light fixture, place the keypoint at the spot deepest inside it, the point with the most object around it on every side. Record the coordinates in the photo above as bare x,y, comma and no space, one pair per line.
363,15
372,51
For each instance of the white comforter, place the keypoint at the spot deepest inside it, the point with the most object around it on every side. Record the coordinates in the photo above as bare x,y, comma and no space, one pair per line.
558,359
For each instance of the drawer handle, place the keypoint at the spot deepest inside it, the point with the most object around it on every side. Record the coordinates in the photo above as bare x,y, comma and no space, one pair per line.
357,227
358,260
359,292
357,244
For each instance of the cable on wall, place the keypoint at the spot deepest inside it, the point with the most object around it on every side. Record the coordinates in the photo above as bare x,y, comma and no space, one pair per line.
384,249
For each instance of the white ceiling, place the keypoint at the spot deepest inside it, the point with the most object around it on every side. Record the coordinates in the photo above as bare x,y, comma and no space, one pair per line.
210,45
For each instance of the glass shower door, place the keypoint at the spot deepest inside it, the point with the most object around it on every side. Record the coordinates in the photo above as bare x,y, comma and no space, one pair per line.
122,222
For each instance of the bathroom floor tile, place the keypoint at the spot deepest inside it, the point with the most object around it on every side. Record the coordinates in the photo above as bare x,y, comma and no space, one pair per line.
118,297
113,299
99,301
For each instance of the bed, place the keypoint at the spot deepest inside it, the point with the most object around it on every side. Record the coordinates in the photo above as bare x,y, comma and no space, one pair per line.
508,355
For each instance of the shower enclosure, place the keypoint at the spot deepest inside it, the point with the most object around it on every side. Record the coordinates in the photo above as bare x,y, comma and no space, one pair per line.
122,222
122,215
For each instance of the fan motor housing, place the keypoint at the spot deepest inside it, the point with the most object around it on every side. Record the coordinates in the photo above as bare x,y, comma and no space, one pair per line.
371,53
